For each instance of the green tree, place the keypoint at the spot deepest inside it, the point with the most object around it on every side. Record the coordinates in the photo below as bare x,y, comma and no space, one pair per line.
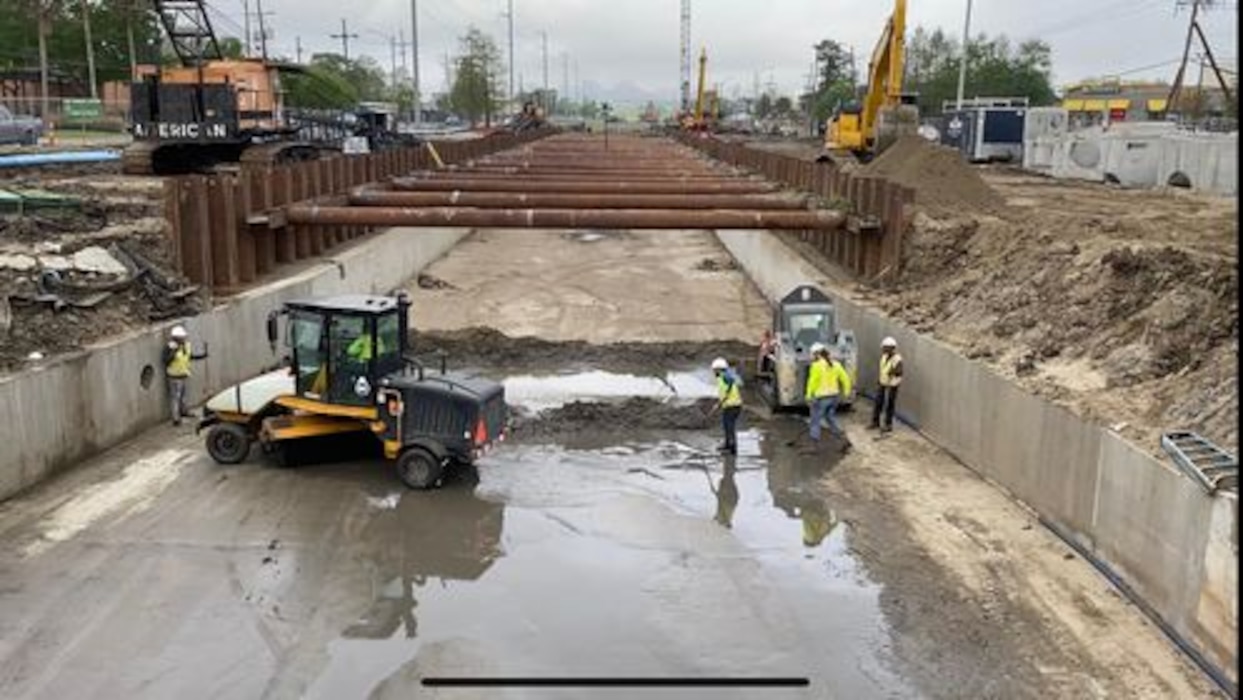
116,26
836,81
995,68
476,88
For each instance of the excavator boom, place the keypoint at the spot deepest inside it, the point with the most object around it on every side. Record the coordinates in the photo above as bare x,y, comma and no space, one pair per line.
858,132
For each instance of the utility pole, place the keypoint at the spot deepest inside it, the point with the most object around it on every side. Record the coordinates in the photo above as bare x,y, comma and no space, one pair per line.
1195,31
401,48
392,60
578,84
962,65
297,42
509,18
90,48
544,43
345,37
246,27
684,72
414,60
565,77
263,31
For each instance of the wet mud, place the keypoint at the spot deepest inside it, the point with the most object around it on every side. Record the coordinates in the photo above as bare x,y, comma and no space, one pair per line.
486,347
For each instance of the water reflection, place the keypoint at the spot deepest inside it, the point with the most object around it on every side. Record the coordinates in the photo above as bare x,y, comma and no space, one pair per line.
791,481
445,535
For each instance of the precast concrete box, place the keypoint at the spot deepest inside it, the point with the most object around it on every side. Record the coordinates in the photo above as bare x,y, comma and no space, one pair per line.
1209,162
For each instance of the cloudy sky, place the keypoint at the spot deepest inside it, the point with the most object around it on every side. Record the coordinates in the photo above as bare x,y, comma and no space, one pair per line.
631,46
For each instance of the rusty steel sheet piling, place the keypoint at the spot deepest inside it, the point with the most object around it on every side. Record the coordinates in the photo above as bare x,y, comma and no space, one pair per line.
369,197
817,220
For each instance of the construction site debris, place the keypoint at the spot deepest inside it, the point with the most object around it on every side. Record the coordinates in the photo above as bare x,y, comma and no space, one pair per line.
426,281
74,275
713,265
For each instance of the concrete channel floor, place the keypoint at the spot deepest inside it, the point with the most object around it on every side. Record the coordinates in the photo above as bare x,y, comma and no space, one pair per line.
891,572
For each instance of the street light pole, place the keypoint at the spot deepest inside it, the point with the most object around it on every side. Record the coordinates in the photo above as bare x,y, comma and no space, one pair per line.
962,65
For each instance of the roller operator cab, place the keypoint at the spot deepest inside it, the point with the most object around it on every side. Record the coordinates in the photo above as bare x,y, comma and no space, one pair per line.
804,317
348,372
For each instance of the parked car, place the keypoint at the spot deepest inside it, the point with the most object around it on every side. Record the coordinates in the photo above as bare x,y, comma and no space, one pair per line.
15,129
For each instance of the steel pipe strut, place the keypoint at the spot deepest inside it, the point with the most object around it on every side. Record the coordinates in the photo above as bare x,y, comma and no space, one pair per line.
579,187
310,214
555,200
621,176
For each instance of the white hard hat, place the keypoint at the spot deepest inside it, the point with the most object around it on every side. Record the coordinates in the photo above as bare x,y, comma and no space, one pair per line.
817,348
889,343
719,363
178,332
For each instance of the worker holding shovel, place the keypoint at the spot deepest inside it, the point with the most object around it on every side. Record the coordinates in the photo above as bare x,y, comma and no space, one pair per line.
729,391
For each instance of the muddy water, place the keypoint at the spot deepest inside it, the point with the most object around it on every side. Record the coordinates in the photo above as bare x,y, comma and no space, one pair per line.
541,392
655,557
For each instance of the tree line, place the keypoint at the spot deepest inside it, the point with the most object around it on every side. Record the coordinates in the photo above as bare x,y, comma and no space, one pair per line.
996,67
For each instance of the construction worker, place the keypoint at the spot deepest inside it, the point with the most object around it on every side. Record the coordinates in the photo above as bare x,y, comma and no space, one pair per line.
177,356
729,391
360,349
827,382
890,377
768,348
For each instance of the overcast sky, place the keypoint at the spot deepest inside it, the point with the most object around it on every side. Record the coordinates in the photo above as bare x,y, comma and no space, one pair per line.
635,42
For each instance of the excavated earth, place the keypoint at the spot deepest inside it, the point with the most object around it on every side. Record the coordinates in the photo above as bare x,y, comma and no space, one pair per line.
1120,304
488,347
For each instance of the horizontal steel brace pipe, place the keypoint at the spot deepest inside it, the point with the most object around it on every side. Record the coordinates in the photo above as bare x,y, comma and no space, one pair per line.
556,200
580,187
310,214
569,172
619,176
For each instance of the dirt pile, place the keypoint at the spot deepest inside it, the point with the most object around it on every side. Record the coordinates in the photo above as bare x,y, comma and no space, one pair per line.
490,348
944,183
635,414
1120,305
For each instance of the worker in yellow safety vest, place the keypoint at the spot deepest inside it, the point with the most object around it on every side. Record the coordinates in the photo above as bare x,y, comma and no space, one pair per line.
729,391
827,382
177,356
890,377
360,349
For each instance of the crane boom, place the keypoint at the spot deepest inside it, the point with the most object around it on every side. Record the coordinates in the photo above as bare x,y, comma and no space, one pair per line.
699,92
189,30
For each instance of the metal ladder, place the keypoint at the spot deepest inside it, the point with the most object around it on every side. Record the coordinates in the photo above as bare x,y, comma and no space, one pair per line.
1209,465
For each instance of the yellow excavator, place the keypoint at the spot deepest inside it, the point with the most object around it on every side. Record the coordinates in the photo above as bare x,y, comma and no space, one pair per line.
859,132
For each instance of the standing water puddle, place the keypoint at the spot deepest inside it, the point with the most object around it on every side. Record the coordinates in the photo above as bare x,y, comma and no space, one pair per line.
657,558
538,393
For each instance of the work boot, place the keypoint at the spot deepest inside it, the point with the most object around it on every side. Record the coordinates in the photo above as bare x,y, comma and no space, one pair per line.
887,429
873,426
847,445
